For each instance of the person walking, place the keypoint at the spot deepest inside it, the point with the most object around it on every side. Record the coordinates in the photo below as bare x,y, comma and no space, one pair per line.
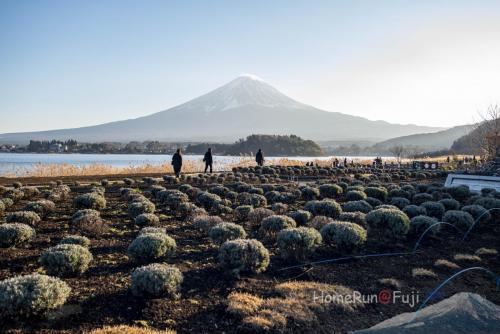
207,159
177,162
259,158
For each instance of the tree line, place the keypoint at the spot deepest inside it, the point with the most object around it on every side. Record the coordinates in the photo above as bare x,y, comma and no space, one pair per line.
271,145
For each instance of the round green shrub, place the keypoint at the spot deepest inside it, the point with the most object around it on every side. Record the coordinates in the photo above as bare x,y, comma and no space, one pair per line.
190,210
373,201
14,194
42,207
489,203
24,217
88,222
30,191
355,195
258,200
376,192
205,223
271,225
218,190
35,294
15,234
174,199
75,240
413,210
241,212
223,232
477,212
59,193
399,202
257,215
399,193
358,187
243,255
345,236
434,209
7,202
208,200
460,219
421,198
90,201
296,244
330,190
450,204
128,181
156,280
279,208
66,260
419,224
329,208
146,219
360,206
309,193
319,221
392,223
150,247
137,208
460,193
301,217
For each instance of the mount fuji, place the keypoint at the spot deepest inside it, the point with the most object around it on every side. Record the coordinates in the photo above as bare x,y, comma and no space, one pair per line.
247,105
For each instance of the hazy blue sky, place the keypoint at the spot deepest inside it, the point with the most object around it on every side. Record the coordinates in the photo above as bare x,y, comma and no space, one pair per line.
75,63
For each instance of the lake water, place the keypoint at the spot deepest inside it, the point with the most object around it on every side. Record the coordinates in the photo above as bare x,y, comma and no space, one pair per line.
17,163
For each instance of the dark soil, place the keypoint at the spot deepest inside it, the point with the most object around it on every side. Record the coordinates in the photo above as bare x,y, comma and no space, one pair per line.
103,297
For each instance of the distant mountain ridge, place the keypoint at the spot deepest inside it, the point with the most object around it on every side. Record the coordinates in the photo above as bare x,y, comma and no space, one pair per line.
429,141
243,106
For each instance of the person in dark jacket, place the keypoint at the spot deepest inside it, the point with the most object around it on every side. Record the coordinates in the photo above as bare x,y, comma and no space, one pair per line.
259,158
208,160
177,162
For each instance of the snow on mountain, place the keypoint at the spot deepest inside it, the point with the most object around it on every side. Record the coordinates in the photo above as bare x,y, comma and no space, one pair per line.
243,91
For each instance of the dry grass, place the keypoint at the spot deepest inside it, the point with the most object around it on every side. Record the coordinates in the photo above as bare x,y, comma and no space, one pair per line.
265,320
243,304
297,304
390,283
445,264
486,252
123,329
423,273
307,291
188,166
291,308
467,258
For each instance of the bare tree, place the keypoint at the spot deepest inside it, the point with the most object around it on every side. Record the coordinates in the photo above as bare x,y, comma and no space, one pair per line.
486,134
398,152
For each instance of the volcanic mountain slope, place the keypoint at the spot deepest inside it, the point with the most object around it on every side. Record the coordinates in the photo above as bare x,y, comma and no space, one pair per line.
430,141
246,105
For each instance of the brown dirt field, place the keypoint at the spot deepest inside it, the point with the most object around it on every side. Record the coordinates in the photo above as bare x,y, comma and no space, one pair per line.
102,293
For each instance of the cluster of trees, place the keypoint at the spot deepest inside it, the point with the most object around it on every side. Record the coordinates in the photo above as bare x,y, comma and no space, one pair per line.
272,145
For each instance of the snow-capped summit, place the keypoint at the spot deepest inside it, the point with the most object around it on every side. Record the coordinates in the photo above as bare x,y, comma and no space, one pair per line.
245,90
246,105
250,76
